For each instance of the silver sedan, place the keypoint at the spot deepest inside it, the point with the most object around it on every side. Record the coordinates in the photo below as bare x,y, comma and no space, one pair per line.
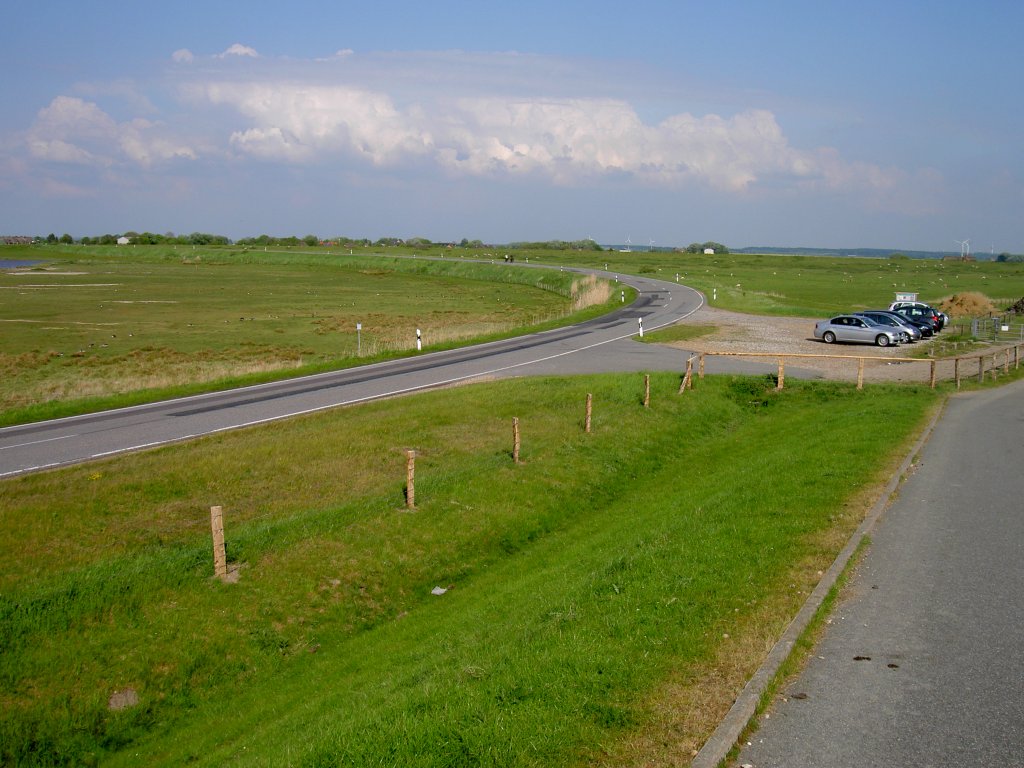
855,329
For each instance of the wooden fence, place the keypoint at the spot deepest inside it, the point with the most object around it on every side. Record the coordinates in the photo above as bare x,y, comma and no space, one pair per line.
989,362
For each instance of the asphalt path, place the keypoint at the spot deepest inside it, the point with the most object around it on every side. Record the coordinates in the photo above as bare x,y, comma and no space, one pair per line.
923,663
599,345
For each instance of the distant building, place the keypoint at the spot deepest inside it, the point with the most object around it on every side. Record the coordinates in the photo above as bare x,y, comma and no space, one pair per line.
709,251
124,240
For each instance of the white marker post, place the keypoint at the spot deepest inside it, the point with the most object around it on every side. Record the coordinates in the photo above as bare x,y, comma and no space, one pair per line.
714,294
623,297
419,340
641,320
359,339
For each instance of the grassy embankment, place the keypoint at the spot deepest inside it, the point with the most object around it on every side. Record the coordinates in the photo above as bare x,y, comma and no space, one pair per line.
606,596
104,327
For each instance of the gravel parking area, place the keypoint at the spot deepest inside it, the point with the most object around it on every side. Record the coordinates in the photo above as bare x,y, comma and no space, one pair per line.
737,332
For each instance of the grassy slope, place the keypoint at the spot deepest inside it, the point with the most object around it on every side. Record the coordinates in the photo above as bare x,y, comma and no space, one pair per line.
581,579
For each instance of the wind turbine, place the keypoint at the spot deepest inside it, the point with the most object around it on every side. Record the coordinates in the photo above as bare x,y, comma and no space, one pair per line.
965,248
651,246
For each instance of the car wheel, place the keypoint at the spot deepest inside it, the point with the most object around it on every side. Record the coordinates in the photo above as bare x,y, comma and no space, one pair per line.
828,337
882,340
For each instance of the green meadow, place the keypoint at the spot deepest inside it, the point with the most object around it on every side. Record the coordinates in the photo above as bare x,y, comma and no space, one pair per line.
590,589
812,286
601,603
95,326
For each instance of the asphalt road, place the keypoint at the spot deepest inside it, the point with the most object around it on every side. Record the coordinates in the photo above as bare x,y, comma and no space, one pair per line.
599,345
923,664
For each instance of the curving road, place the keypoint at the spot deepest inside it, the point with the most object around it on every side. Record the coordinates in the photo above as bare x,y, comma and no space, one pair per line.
602,344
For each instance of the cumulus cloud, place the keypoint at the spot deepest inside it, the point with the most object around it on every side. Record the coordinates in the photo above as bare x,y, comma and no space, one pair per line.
239,50
566,140
467,115
71,130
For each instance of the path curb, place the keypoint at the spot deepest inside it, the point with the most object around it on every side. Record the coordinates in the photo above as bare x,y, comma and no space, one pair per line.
716,749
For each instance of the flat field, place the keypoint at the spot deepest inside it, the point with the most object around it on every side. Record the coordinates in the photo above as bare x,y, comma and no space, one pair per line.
604,599
96,322
812,286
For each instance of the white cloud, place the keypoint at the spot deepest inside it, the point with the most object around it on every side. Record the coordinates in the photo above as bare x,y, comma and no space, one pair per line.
239,50
71,130
495,118
566,140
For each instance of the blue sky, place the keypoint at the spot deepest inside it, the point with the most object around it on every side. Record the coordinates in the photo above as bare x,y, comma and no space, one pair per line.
840,124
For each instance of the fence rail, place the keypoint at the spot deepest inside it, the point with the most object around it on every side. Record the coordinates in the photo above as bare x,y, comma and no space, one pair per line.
988,362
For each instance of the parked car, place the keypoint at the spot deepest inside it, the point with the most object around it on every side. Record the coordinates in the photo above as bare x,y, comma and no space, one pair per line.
939,319
855,329
882,317
927,315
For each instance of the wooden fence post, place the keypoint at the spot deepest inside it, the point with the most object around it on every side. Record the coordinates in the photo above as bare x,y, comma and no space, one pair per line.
782,374
220,558
956,371
700,367
981,369
860,373
515,439
1006,361
687,382
647,390
590,406
410,479
931,381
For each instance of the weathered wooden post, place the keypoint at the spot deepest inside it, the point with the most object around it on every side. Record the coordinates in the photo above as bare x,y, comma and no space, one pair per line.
410,479
956,371
1006,361
590,406
782,373
700,367
647,390
515,440
931,380
220,558
860,373
687,382
981,369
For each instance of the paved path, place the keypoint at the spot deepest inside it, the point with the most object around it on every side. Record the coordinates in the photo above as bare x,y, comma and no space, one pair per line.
923,664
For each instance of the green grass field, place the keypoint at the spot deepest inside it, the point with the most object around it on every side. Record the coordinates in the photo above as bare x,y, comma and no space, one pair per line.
93,323
812,286
606,598
583,584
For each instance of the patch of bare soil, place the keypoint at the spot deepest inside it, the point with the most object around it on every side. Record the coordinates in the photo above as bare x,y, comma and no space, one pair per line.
736,332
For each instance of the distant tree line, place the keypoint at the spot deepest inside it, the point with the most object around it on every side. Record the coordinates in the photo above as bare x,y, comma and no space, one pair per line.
701,247
558,245
203,238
